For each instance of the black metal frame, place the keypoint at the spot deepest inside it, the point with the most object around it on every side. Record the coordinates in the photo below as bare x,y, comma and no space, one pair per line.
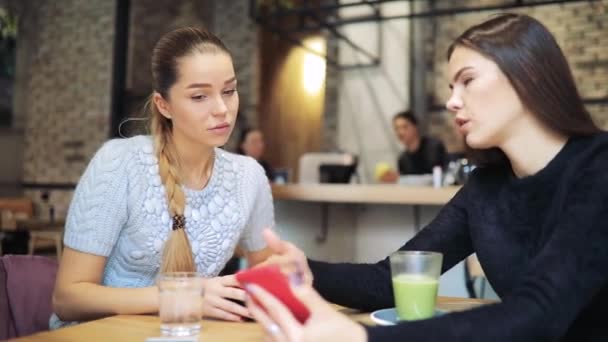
119,65
318,15
447,11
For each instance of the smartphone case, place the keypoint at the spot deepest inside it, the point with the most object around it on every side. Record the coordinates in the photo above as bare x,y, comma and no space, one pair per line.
274,281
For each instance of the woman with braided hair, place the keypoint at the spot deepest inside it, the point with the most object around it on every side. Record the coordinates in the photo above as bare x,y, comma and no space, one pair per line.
172,201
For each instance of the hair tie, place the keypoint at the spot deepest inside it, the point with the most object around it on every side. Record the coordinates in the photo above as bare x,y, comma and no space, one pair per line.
179,222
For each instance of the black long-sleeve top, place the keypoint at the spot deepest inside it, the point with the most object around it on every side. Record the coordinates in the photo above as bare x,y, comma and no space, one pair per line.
542,241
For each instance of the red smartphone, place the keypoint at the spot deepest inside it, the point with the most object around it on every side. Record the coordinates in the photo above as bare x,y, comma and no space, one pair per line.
271,279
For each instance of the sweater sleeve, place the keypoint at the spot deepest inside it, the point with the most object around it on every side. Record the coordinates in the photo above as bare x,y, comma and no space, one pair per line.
98,210
369,287
563,279
259,199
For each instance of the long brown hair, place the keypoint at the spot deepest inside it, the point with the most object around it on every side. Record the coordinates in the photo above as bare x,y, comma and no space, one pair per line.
177,253
527,53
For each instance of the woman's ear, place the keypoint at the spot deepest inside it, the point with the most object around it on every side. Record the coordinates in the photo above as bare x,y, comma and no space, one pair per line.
162,105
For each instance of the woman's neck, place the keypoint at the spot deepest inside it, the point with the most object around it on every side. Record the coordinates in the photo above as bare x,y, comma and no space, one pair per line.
196,162
532,149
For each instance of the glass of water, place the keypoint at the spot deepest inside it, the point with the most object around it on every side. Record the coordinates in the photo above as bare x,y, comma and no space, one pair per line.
180,303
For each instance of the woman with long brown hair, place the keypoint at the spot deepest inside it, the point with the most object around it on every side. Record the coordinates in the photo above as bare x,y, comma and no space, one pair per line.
534,211
172,201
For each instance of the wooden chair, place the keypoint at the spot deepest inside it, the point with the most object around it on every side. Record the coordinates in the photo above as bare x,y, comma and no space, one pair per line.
44,239
19,211
13,209
17,205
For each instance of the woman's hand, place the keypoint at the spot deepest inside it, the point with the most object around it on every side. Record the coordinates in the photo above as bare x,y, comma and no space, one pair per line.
390,176
288,257
216,303
324,323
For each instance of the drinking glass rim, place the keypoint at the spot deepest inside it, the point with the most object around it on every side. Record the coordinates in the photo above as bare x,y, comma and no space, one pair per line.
421,253
179,275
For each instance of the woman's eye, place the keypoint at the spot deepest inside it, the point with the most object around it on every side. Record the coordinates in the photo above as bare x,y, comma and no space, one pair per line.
467,81
230,92
197,97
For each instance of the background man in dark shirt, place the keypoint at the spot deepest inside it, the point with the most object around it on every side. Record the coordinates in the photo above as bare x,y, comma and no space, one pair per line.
422,153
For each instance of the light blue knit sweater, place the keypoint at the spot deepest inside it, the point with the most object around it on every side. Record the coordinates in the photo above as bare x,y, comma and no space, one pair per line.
119,211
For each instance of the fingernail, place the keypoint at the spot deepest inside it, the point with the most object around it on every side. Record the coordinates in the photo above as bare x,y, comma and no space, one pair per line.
248,288
296,279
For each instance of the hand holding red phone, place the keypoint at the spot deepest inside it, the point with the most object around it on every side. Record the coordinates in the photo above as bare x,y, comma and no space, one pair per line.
273,281
324,323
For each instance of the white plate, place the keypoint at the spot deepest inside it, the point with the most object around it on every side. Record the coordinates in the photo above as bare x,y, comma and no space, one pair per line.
389,316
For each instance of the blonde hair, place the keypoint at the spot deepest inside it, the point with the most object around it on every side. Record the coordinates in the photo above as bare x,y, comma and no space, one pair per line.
177,252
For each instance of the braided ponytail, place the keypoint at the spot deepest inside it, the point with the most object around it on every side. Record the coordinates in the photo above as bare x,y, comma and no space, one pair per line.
177,252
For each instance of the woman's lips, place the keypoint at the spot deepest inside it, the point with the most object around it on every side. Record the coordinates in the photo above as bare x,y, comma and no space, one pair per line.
463,125
220,129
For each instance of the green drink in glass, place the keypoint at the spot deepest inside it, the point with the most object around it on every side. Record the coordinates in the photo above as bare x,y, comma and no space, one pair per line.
415,282
415,296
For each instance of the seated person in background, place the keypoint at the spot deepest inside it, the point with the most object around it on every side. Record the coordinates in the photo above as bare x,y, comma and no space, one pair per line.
251,143
421,153
169,202
535,210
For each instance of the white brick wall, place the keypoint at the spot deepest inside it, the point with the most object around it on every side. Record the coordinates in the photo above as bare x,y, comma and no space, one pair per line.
63,86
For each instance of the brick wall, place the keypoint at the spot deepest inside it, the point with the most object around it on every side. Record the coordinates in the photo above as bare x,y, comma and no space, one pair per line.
239,33
149,20
63,88
581,29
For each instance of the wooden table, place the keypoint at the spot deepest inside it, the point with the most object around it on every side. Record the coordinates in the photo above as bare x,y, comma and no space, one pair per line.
140,327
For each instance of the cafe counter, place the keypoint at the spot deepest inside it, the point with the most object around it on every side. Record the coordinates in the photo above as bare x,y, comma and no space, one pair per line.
359,223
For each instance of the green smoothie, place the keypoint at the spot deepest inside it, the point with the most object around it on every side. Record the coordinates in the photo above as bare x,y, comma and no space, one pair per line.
415,296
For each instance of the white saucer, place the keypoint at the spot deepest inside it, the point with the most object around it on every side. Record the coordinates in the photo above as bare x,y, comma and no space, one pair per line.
389,316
